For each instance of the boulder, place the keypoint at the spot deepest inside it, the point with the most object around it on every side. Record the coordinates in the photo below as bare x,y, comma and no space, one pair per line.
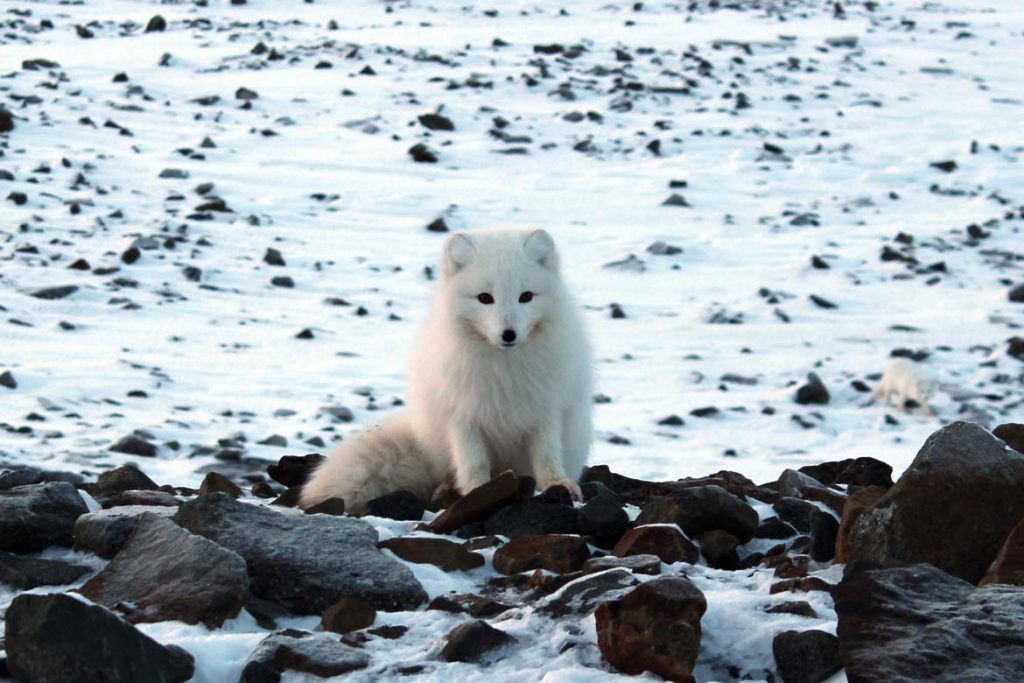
447,555
1008,567
1012,434
123,478
603,519
719,548
583,595
918,623
953,507
347,615
164,573
24,573
638,564
806,656
855,506
533,518
104,532
60,638
800,485
807,518
638,492
700,509
556,553
304,562
36,516
655,627
664,540
476,641
852,472
813,392
484,500
303,652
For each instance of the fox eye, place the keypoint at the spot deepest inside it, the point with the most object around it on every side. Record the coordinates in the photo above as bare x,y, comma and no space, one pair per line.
526,297
485,298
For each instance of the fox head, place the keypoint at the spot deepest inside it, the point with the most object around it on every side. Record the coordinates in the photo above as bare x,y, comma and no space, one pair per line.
501,286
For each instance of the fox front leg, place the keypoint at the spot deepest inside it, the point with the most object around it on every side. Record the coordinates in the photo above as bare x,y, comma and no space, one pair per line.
547,462
469,456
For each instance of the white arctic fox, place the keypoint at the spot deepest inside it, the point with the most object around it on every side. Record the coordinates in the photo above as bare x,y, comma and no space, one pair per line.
907,380
500,379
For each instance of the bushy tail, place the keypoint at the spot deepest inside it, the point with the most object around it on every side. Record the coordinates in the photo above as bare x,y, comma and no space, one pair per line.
382,459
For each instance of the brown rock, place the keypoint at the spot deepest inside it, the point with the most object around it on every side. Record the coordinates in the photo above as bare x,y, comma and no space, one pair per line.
805,585
664,540
800,608
702,508
638,564
214,483
1011,433
439,552
719,547
655,627
854,508
1008,566
504,489
560,554
348,614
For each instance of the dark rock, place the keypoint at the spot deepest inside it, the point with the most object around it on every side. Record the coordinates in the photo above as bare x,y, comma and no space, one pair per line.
812,393
775,528
475,641
700,509
804,584
664,540
21,476
218,483
164,573
25,573
1008,567
331,506
302,652
853,471
274,440
1012,434
447,555
800,608
806,656
639,492
135,445
123,478
918,623
347,615
156,23
656,628
423,154
273,257
58,638
6,121
7,380
799,485
952,508
51,293
290,498
860,501
1016,295
603,519
533,518
246,94
294,470
638,564
809,519
104,532
400,505
559,554
304,562
481,502
583,595
36,516
719,547
436,122
162,498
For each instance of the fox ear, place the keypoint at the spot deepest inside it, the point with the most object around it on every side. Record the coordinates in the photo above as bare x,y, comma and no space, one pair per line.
540,247
458,251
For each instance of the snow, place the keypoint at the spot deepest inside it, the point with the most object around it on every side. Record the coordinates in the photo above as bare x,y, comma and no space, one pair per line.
219,357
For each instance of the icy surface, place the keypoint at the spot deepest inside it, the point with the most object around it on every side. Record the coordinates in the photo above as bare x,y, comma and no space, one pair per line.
325,178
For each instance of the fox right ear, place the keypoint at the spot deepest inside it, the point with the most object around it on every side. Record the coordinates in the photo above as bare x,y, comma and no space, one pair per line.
458,251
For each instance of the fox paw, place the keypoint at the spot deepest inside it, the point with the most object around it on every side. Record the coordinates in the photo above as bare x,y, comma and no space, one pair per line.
573,488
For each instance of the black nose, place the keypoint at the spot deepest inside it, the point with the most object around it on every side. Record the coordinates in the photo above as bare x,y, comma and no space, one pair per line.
508,336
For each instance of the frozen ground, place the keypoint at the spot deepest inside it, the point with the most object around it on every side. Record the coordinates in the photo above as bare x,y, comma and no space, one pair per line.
832,158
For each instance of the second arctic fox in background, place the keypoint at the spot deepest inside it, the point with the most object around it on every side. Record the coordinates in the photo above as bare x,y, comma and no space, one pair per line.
907,380
500,379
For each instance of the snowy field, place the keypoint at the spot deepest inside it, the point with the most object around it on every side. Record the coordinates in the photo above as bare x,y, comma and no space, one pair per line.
866,156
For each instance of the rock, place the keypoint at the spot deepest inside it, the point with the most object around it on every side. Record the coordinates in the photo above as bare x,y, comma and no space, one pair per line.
1012,435
852,471
294,470
799,485
155,24
423,154
135,445
58,638
481,502
812,393
164,573
775,528
136,498
805,584
36,516
655,627
447,555
700,509
582,596
304,562
603,519
664,540
556,553
105,531
303,652
7,380
246,94
719,547
1016,295
273,257
800,608
436,122
855,506
331,506
1008,567
19,477
347,615
124,478
52,293
6,121
952,508
533,518
639,492
918,623
25,573
218,483
400,505
638,564
475,641
809,519
806,656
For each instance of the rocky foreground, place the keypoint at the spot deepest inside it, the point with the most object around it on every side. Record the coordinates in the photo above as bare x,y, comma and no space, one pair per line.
931,589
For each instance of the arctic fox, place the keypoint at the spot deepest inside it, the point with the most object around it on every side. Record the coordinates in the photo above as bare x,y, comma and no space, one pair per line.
500,379
907,380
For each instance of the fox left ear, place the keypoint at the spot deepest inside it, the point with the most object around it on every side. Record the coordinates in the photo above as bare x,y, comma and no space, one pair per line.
540,247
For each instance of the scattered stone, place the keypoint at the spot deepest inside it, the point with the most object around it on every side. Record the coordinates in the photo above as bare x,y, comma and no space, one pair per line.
52,293
719,548
423,154
1016,295
582,596
59,638
534,517
436,122
800,608
303,652
25,573
799,485
399,505
806,656
638,564
852,471
139,498
246,94
304,562
218,483
294,470
104,532
164,573
447,555
347,615
21,476
273,257
123,478
474,642
814,392
7,380
655,628
502,490
134,444
1012,435
676,199
36,516
700,509
811,520
664,540
664,249
156,24
559,554
603,519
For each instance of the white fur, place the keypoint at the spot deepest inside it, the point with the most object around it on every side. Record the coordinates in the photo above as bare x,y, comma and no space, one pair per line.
907,380
477,405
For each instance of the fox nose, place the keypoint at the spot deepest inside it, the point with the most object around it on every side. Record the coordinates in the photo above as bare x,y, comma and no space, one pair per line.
508,336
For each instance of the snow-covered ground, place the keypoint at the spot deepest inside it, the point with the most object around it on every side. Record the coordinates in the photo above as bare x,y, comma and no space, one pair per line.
792,130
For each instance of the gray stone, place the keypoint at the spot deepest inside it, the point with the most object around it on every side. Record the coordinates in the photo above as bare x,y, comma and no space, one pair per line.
36,516
104,532
700,509
302,652
474,642
806,656
24,573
